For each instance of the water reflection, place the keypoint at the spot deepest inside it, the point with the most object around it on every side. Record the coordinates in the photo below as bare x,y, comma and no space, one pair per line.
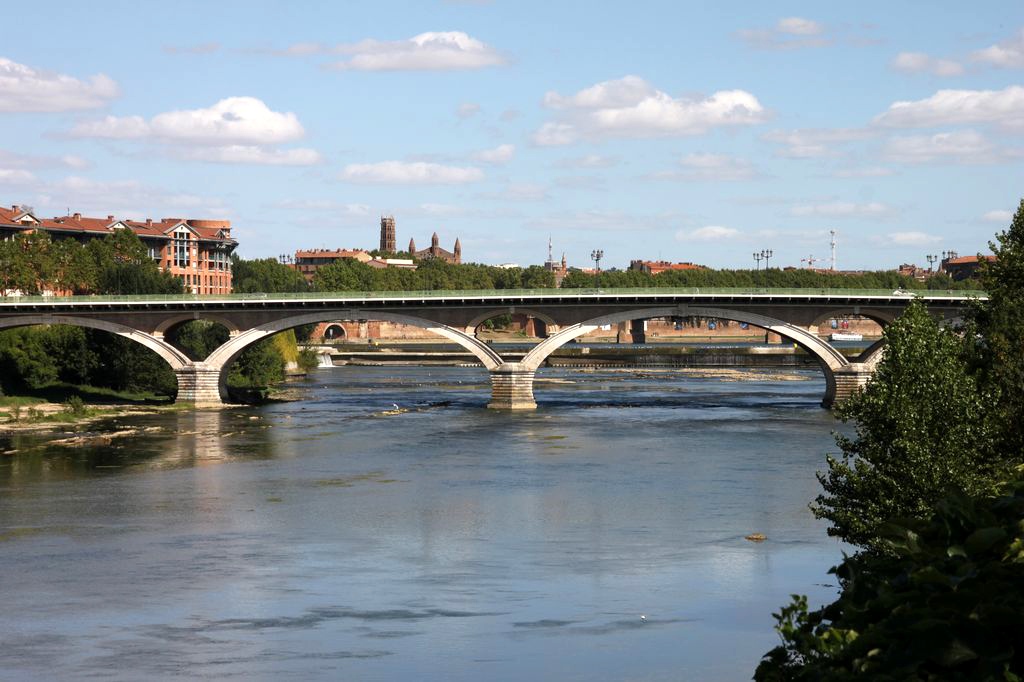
325,539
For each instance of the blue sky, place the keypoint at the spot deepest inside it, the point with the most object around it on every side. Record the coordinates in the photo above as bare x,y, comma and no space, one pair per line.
650,130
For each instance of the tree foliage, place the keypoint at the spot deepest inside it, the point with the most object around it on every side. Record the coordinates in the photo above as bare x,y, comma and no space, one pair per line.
770,278
430,275
937,592
265,275
923,428
945,601
997,331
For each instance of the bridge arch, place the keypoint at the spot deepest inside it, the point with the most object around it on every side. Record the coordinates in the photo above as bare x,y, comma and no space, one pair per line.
170,322
171,355
828,357
881,317
549,322
223,356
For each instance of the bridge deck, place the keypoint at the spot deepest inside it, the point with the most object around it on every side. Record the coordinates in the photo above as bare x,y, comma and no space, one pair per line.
496,297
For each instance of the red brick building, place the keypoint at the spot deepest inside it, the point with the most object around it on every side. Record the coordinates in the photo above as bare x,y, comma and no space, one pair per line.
197,251
653,267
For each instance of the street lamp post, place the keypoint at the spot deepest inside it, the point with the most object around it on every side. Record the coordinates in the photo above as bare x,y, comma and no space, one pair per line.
931,258
766,254
758,257
596,255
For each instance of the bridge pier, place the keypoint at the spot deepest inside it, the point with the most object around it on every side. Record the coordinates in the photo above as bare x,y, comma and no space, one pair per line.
848,380
199,385
512,387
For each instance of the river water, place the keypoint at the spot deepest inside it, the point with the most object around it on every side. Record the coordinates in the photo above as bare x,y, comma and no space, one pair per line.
598,538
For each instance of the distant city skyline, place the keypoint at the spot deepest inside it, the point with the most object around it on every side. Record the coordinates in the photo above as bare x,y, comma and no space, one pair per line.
648,130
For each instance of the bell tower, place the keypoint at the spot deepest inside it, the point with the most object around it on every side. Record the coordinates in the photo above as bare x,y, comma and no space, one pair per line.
387,233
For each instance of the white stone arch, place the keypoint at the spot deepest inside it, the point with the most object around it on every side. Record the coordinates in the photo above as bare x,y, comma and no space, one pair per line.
872,355
881,317
225,354
549,322
175,320
171,355
828,357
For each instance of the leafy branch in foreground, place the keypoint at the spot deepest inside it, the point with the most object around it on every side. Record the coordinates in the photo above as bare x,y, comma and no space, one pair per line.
945,601
923,427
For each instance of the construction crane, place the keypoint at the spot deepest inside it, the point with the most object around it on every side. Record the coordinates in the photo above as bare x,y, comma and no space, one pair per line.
810,260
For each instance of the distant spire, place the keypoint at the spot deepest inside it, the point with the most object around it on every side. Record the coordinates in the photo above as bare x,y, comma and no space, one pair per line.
564,263
434,241
412,246
550,257
458,245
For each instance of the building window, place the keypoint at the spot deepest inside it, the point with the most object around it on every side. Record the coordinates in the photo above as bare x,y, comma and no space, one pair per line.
181,250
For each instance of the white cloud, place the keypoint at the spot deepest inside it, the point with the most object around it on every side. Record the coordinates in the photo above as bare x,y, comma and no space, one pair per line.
553,134
717,167
808,143
919,62
588,161
499,155
841,209
467,110
23,88
912,238
33,161
114,128
962,146
76,162
798,26
709,233
412,173
624,92
16,176
631,107
787,34
231,121
251,154
431,51
1008,54
949,107
239,130
998,216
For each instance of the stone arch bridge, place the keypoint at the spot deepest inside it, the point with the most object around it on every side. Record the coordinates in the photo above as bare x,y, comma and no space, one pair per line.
567,314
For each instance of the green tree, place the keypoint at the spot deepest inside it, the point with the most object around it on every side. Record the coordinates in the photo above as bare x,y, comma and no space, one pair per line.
73,270
123,266
24,360
265,275
998,329
198,338
923,428
258,366
944,601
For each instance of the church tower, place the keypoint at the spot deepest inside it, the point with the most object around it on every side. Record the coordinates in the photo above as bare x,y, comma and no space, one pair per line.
412,246
458,250
387,234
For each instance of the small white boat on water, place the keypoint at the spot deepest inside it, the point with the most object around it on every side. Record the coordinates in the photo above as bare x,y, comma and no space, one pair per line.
845,336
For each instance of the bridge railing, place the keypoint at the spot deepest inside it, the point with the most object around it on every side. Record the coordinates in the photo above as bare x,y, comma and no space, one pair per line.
504,293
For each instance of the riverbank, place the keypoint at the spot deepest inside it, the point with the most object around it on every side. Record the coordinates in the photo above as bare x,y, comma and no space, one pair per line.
44,416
